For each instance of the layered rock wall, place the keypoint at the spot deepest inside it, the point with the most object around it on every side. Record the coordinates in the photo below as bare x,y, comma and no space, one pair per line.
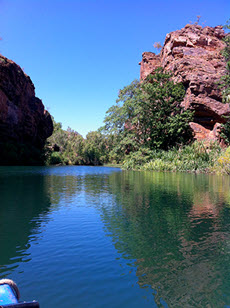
193,56
24,123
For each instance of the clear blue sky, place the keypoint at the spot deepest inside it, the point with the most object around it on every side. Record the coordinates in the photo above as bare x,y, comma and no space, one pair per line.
80,53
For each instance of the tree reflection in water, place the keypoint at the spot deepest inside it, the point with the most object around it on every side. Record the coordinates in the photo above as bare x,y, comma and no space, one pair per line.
176,229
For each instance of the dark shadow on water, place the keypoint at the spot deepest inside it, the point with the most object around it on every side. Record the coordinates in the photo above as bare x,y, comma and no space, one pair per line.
24,204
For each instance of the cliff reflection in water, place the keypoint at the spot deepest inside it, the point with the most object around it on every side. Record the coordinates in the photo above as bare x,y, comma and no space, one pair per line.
177,229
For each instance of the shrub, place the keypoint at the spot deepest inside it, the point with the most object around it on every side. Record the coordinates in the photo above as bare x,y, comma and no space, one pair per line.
196,157
137,159
55,158
222,164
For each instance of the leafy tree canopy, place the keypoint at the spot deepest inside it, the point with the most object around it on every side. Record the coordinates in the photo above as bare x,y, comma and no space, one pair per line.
148,114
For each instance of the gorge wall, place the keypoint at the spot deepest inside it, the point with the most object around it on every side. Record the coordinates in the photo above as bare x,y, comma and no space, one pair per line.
24,123
193,56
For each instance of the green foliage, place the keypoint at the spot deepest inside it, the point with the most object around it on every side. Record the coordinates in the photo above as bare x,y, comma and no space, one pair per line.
222,164
225,131
70,148
149,115
64,146
95,149
225,85
136,159
225,80
226,51
195,157
55,158
166,123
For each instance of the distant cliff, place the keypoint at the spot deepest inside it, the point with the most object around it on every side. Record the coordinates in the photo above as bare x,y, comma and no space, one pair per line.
24,123
193,55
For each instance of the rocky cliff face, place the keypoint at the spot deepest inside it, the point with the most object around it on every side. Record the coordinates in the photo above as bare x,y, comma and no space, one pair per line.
193,55
24,123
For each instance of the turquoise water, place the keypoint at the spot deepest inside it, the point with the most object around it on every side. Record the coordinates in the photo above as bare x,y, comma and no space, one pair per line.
102,237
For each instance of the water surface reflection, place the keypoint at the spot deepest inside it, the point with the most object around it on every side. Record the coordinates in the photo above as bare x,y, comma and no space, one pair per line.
176,227
103,231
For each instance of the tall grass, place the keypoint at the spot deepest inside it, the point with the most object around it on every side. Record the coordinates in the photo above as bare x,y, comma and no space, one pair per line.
197,157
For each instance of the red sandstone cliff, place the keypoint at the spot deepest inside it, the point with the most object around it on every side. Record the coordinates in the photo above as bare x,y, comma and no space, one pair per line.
193,55
23,120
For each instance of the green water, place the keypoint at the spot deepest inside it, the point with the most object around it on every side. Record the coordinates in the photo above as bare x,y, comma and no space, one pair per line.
102,237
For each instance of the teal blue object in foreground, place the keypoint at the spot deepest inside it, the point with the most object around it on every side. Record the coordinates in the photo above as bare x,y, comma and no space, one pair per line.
7,295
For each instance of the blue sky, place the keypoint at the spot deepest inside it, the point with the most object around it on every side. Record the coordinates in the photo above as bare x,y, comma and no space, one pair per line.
80,53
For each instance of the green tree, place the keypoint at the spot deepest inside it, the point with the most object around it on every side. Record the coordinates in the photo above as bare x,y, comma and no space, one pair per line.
164,122
95,149
149,114
120,120
65,146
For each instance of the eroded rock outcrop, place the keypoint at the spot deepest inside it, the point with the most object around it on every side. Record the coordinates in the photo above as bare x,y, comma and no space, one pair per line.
24,123
193,55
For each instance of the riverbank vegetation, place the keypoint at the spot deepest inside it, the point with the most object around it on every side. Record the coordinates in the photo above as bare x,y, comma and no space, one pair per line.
147,129
70,148
196,157
67,147
147,116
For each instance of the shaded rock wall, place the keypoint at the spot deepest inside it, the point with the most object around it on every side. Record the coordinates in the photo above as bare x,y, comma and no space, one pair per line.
24,123
193,55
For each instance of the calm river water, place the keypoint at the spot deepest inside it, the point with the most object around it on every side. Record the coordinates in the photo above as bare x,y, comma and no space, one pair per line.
102,237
